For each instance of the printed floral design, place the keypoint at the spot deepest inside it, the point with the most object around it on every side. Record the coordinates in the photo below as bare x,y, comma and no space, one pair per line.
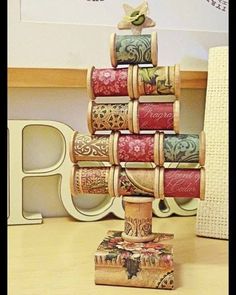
156,116
136,148
156,81
136,256
133,49
91,147
181,148
110,117
92,180
110,82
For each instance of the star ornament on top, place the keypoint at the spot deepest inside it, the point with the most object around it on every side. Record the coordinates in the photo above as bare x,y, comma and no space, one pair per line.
136,18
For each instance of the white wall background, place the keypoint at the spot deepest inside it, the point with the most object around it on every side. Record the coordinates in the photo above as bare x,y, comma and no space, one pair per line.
54,34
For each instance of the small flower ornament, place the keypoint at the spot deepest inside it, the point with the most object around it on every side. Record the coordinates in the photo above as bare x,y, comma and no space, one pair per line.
136,18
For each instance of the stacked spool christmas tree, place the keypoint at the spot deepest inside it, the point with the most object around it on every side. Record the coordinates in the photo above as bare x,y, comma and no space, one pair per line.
139,132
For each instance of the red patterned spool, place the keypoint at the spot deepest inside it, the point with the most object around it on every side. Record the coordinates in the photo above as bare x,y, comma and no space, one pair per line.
182,183
156,116
109,82
136,148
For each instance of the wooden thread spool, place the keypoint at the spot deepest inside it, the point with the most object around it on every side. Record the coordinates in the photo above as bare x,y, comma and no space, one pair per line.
159,182
182,148
158,148
156,116
138,219
92,180
85,147
135,182
110,82
133,148
182,183
116,116
133,49
156,81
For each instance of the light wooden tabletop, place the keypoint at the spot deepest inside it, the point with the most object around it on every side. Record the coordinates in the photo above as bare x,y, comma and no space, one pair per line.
56,258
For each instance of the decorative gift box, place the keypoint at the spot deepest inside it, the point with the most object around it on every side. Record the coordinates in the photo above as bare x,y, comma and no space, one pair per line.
150,265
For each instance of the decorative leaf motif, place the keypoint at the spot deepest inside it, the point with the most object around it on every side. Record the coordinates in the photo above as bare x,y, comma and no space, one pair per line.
133,49
181,148
149,75
132,266
110,256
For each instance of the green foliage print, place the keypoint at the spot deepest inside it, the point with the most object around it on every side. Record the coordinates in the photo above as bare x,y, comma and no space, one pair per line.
181,148
133,49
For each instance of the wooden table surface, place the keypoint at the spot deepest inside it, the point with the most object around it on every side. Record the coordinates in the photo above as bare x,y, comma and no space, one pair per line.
56,257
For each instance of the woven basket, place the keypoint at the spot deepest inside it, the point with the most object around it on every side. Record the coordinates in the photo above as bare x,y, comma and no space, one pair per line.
212,214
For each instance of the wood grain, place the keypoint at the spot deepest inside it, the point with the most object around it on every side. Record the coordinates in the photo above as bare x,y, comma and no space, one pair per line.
76,78
57,258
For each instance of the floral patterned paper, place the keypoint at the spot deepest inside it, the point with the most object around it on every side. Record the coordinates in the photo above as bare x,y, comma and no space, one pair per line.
136,148
133,261
110,82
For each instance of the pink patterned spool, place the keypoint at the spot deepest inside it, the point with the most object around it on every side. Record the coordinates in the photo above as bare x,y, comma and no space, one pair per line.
136,148
156,116
182,183
109,82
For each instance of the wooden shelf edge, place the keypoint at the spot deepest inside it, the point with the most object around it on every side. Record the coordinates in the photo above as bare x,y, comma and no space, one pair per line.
76,78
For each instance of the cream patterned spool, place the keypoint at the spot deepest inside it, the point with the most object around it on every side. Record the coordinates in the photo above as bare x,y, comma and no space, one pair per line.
85,147
133,49
115,116
110,82
156,81
131,182
182,148
156,116
92,180
138,219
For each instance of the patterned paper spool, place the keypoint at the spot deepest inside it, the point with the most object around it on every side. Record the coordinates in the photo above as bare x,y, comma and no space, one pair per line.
133,49
110,82
155,148
134,182
91,147
182,183
156,81
138,219
156,116
133,148
116,116
182,148
92,180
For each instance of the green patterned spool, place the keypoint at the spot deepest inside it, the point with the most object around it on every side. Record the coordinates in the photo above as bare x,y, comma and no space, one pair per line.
181,148
133,49
156,80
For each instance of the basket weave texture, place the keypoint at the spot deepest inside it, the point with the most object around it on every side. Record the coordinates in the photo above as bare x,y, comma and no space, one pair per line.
212,214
